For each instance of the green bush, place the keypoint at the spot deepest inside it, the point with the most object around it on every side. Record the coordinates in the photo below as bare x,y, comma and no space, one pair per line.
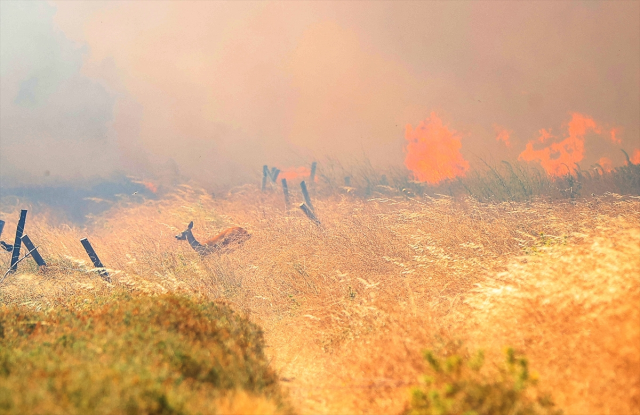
132,355
458,384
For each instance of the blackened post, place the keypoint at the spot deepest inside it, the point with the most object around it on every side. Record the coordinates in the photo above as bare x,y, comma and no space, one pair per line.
34,252
347,181
94,258
305,194
309,214
4,245
275,172
312,177
265,173
15,254
285,190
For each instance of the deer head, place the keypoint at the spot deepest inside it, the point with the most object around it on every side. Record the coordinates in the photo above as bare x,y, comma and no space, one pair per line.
183,235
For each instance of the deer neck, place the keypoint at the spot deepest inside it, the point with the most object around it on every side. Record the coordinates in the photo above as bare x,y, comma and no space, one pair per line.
197,246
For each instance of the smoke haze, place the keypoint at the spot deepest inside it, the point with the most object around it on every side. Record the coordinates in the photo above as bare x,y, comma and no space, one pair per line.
215,90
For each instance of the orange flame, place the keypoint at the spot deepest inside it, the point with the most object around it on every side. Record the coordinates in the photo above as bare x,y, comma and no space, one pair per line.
433,152
635,158
605,163
557,158
502,134
614,133
150,186
295,173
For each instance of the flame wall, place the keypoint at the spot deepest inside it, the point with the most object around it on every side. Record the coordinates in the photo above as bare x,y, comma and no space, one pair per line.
215,90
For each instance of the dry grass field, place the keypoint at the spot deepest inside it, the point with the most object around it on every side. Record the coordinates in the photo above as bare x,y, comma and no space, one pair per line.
347,307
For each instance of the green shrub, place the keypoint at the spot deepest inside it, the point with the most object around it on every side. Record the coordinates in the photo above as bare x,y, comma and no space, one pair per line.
458,384
132,355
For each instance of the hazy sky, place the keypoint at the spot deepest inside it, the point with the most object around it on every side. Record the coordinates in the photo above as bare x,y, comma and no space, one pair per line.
220,88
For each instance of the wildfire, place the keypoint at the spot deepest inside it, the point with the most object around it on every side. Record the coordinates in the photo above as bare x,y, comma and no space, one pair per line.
295,173
502,134
558,157
605,163
635,158
614,133
433,151
150,186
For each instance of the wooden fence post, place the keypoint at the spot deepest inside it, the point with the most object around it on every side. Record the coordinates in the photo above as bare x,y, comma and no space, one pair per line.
312,177
15,253
275,173
1,226
265,173
34,252
305,194
309,214
347,181
94,258
285,190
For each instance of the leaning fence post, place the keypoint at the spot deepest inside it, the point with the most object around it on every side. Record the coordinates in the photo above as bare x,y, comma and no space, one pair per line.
285,190
34,251
309,213
15,253
274,174
1,226
94,258
305,194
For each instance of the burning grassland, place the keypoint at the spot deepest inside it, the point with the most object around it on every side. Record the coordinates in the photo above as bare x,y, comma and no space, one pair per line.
347,307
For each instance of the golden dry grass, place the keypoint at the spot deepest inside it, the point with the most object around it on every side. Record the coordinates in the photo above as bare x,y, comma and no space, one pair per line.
347,307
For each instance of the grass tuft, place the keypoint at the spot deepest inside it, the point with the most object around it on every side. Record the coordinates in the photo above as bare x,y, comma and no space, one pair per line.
131,354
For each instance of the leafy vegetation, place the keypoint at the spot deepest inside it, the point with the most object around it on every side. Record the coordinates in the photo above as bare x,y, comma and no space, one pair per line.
457,384
133,355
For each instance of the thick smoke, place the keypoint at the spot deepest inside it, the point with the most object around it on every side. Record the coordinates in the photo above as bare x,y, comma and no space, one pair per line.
215,90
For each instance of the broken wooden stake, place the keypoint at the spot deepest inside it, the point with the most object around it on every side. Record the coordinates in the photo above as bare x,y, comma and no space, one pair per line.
305,194
309,214
94,258
312,177
1,226
33,250
285,190
15,252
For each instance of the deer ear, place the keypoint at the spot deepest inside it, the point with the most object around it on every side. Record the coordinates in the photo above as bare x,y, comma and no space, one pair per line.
190,225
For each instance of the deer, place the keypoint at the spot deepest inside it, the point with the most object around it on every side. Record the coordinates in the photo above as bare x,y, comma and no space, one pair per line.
218,242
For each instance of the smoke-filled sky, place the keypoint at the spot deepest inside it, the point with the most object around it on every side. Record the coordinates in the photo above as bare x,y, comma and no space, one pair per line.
217,89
